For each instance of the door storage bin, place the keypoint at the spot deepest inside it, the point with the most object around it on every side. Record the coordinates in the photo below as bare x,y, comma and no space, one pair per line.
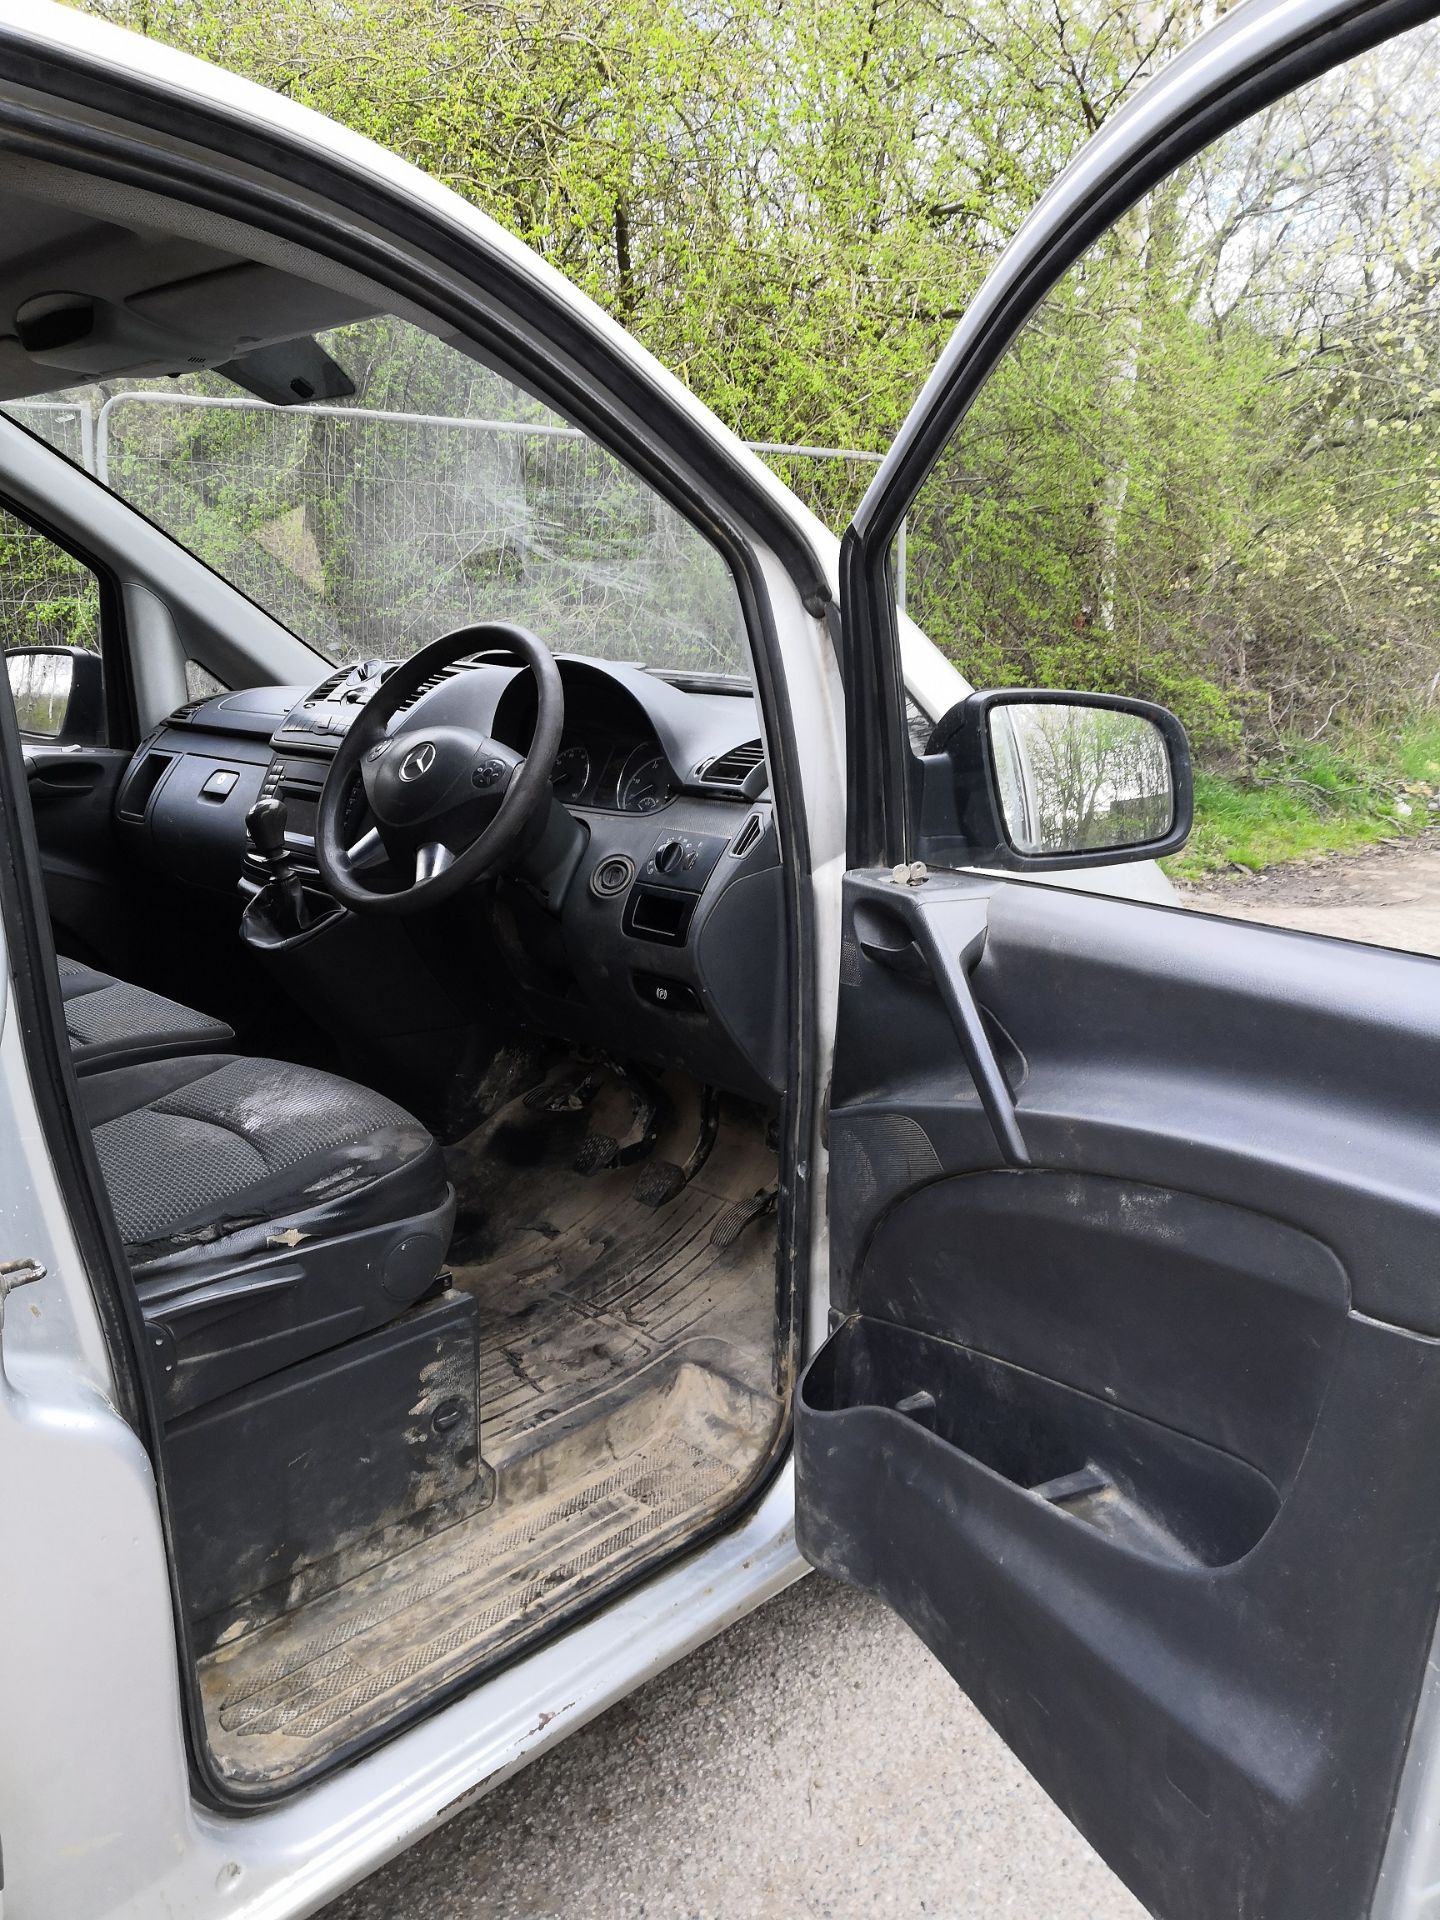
1141,1485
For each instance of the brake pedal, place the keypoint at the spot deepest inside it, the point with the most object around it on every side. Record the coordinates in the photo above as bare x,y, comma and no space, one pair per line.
661,1180
597,1151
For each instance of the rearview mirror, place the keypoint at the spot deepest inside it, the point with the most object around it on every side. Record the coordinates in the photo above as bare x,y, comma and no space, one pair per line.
1058,779
58,692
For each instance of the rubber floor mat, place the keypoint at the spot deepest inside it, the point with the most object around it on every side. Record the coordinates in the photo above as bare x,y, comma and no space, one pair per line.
579,1281
289,1696
627,1398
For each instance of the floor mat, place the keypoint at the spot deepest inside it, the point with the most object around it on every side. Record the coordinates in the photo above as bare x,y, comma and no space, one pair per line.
289,1695
578,1282
627,1397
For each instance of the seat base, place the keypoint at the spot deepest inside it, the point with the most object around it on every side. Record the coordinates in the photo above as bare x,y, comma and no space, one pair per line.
388,1427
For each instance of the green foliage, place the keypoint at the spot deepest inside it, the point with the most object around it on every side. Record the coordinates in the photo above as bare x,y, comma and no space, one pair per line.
790,206
1209,472
1309,798
47,599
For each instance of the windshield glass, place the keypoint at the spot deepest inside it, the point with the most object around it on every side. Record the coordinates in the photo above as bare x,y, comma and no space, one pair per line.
437,494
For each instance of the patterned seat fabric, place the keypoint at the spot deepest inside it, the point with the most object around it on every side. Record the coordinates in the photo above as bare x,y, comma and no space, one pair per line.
111,1023
268,1211
202,1145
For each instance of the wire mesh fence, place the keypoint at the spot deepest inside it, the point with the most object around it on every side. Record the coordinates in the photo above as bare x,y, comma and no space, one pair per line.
369,532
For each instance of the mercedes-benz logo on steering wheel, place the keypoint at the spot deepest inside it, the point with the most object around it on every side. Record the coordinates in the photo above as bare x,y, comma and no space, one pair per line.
418,761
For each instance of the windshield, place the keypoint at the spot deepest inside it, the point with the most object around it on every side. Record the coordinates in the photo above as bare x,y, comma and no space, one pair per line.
438,493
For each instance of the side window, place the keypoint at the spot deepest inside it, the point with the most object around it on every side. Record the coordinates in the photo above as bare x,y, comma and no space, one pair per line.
50,622
1207,472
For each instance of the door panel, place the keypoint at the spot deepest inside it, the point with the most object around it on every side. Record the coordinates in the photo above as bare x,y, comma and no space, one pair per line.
91,900
1142,1434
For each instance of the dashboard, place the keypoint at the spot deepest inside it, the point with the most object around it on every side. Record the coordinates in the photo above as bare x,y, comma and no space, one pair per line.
659,946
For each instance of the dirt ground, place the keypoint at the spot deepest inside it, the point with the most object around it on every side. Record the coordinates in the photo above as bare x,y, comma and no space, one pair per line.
1387,895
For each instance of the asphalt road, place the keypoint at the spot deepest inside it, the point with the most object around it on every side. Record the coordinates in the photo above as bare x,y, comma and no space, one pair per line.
815,1760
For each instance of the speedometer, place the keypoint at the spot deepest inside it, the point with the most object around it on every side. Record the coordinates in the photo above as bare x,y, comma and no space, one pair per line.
570,775
646,781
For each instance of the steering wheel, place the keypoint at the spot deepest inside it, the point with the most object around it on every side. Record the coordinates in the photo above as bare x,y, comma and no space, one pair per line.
449,802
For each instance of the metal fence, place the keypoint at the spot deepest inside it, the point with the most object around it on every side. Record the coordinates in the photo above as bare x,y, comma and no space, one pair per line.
367,531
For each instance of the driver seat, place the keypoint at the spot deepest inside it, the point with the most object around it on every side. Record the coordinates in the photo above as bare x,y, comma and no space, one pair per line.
269,1212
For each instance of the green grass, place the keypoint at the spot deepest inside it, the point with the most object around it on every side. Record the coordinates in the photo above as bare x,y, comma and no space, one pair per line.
1315,798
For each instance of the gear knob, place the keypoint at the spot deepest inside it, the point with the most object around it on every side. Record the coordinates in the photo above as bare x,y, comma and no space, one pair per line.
265,823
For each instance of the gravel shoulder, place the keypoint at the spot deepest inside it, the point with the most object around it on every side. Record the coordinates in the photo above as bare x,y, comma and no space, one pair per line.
1387,895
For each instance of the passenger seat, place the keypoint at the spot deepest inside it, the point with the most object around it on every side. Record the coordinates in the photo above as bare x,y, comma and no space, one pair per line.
268,1212
112,1024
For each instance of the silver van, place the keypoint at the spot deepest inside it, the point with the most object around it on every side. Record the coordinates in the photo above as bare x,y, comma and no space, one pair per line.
538,1098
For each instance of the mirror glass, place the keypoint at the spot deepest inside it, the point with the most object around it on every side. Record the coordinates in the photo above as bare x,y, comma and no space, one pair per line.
40,685
1077,778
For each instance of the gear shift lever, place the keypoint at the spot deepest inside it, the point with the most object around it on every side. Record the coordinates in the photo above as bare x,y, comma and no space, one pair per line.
265,823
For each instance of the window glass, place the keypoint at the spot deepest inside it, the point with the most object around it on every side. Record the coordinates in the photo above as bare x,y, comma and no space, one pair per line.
49,612
200,683
437,494
1207,473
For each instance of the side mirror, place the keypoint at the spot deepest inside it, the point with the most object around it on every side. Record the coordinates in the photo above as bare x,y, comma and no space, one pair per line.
1042,780
59,693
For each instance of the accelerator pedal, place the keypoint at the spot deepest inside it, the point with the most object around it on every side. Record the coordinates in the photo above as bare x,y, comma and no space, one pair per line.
734,1220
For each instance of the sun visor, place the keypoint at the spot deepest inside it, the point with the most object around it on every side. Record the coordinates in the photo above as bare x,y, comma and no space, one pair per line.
254,324
246,304
289,373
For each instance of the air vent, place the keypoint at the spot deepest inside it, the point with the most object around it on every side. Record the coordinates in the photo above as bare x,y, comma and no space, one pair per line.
734,768
182,716
433,680
317,696
746,838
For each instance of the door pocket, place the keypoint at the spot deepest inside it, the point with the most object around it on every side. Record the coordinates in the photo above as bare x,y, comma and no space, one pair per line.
1144,1487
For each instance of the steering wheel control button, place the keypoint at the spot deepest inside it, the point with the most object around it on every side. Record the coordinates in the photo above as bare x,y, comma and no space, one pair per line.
379,750
612,876
658,990
489,773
